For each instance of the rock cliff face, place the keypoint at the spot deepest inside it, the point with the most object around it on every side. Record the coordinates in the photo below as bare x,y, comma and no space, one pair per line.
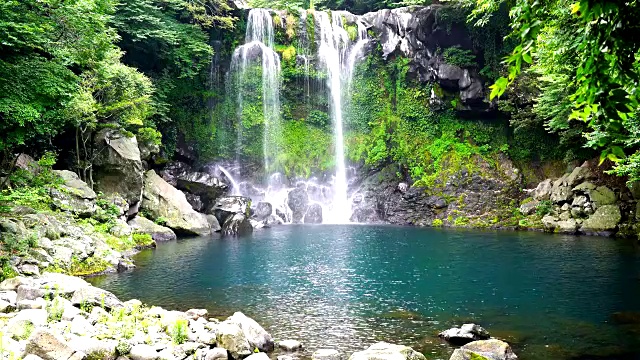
484,197
418,34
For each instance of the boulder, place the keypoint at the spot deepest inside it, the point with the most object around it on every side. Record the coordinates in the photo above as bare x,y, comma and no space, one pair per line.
94,348
96,297
196,202
148,149
604,221
258,356
143,352
162,200
313,215
465,334
216,353
543,191
326,354
207,186
173,170
231,337
386,351
561,192
578,175
48,346
602,195
228,206
263,211
492,349
74,195
290,345
27,163
118,166
569,226
529,208
254,333
298,201
64,285
141,225
237,225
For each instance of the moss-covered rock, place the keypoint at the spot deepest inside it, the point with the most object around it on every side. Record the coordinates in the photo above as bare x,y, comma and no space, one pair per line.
604,221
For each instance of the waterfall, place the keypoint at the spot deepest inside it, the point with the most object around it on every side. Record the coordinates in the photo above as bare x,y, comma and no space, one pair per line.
339,58
259,39
235,187
330,50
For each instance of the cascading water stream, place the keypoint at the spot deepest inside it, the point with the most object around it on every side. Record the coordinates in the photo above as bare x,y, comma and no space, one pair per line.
337,56
259,39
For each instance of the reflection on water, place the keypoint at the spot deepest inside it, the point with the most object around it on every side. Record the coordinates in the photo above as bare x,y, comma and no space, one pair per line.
349,286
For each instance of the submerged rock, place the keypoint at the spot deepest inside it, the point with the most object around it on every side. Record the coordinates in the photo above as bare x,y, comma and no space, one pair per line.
290,345
465,334
484,349
386,351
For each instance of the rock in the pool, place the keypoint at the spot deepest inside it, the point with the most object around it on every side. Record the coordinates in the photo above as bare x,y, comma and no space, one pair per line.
465,334
386,351
492,349
326,354
255,334
290,345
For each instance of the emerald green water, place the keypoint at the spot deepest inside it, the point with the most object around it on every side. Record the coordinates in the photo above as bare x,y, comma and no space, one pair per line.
346,287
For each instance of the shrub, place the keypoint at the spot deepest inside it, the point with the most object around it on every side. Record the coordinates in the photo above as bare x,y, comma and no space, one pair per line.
459,57
544,208
143,240
437,223
179,331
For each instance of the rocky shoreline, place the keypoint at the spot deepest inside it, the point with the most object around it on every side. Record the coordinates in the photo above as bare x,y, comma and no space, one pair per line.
60,317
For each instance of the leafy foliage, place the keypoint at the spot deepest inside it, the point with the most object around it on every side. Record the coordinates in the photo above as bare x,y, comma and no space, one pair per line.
601,78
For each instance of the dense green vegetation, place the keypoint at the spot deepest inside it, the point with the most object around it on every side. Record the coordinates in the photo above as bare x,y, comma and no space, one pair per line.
567,86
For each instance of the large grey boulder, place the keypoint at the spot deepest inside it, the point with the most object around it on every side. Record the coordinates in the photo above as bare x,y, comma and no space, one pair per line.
326,354
313,215
465,334
94,348
141,225
255,334
262,211
161,200
143,352
386,351
604,221
228,206
602,195
237,225
118,166
74,195
543,191
529,208
48,346
95,296
231,337
298,201
579,175
561,192
207,186
492,349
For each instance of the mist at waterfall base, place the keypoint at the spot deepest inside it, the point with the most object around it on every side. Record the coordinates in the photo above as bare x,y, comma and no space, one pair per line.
336,54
